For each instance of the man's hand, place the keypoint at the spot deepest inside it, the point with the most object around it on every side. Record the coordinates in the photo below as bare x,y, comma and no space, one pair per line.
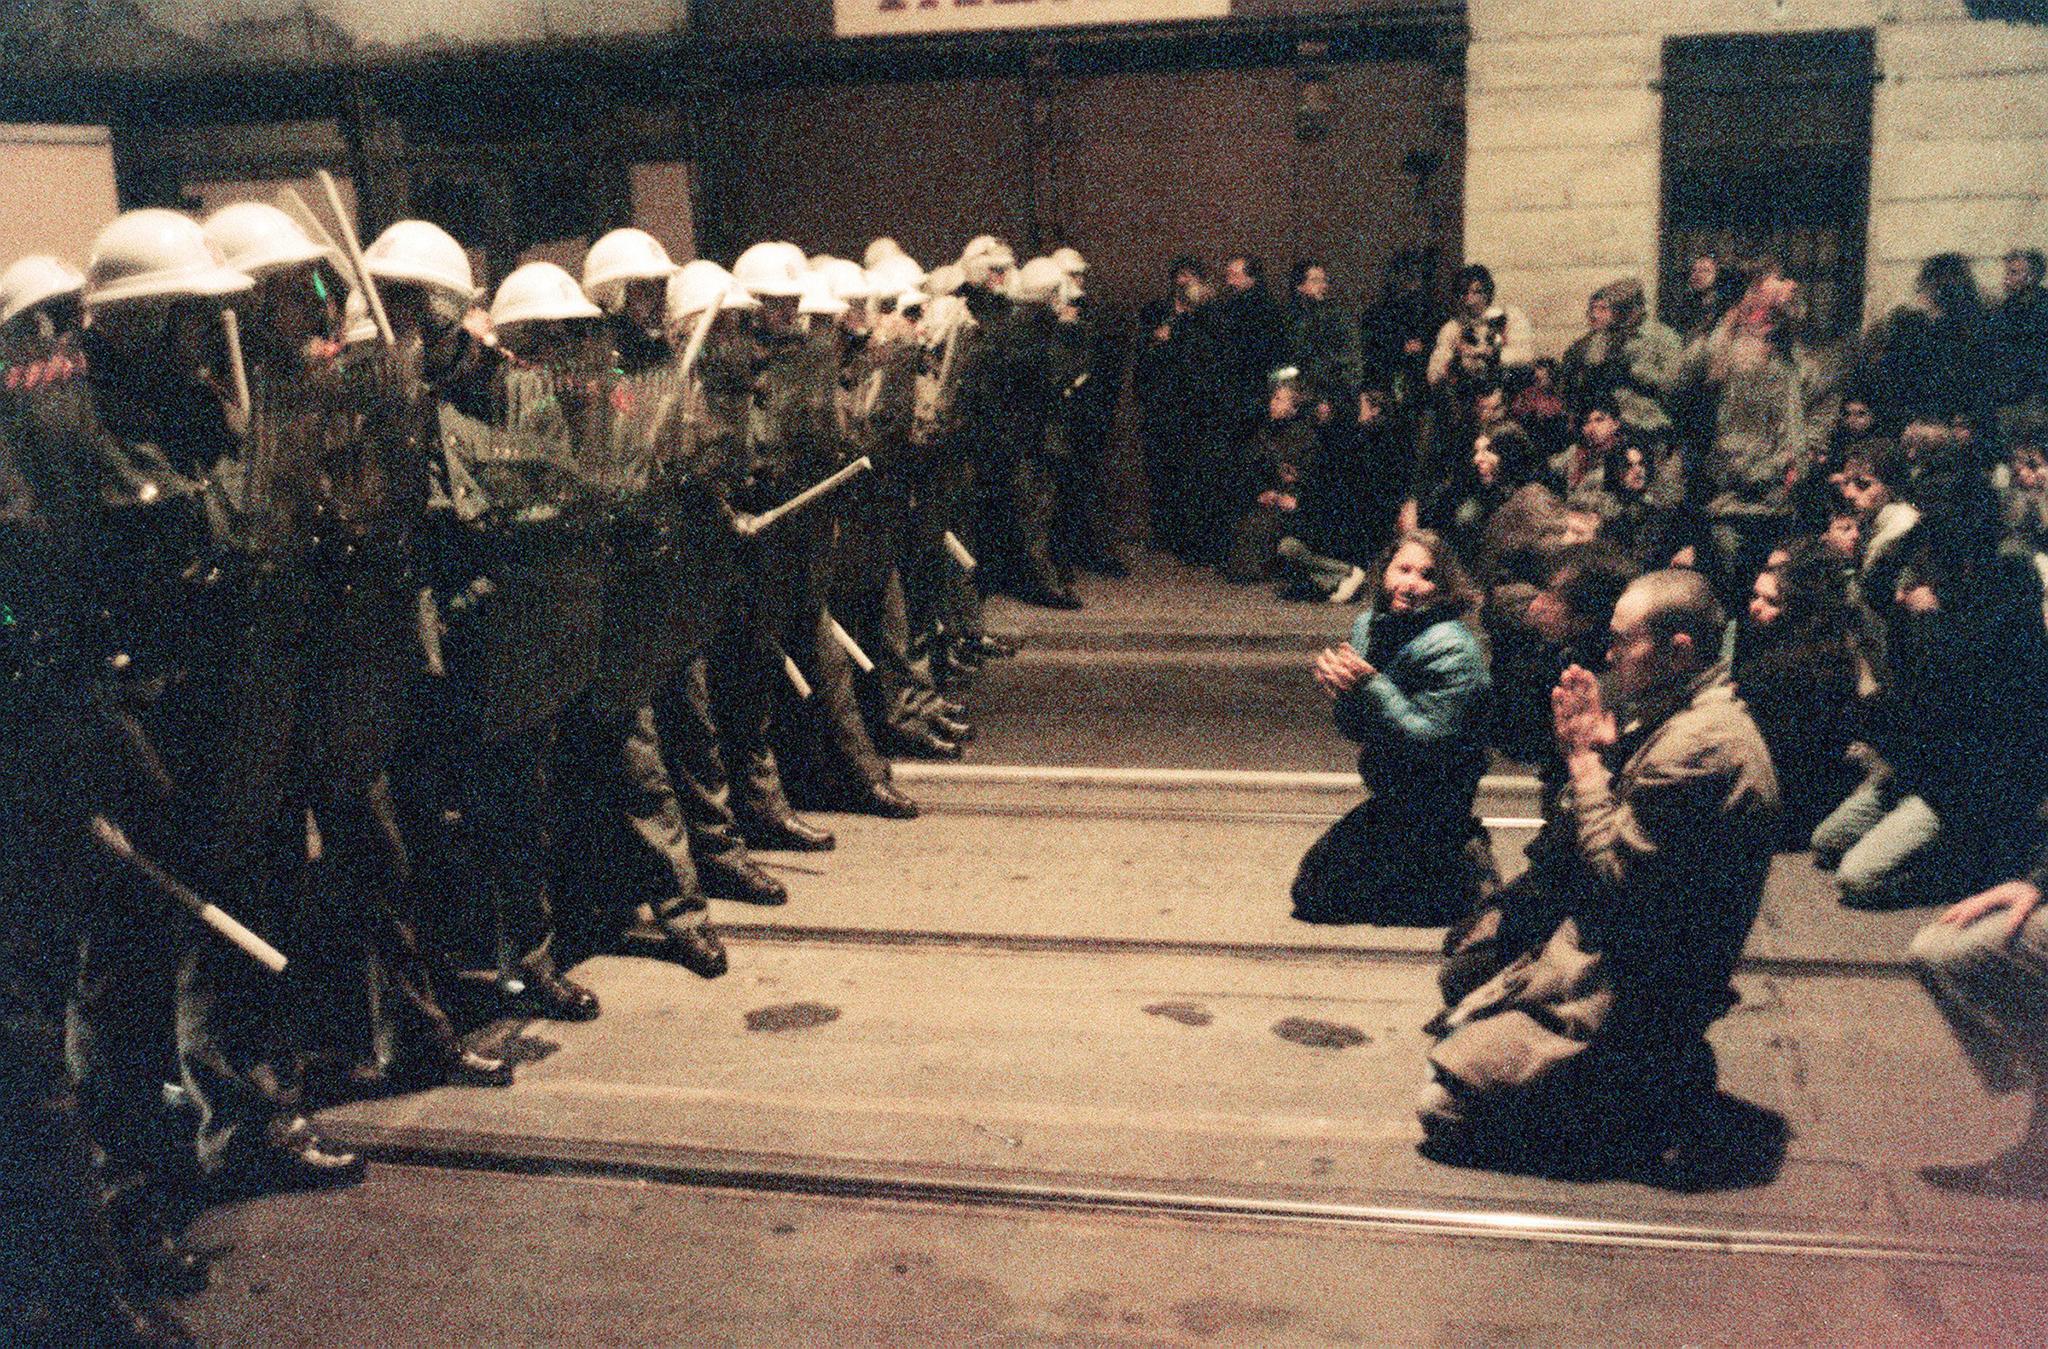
1582,725
1410,517
2020,898
1339,668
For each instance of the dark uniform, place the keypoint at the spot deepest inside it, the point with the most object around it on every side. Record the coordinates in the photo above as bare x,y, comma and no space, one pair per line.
943,600
60,758
878,403
623,834
518,571
797,440
1009,396
721,676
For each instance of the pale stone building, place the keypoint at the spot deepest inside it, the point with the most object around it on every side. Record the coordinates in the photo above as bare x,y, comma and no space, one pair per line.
1566,184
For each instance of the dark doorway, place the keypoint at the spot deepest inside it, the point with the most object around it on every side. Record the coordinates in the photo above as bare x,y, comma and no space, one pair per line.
1767,152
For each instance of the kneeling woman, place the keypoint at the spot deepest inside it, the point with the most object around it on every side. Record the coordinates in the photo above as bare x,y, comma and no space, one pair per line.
1410,687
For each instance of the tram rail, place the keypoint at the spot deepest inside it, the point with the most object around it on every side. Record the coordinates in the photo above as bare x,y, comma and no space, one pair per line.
1362,953
957,1187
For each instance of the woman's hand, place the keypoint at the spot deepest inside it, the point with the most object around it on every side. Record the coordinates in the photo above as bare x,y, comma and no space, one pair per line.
1339,669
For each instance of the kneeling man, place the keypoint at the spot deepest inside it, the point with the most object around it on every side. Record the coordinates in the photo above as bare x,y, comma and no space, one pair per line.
1589,1042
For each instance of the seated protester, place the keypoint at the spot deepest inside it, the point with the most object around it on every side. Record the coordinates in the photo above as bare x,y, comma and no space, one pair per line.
1540,409
2025,493
1843,536
1502,463
1582,1042
1934,355
1521,535
1975,443
1410,688
1985,961
1798,669
1639,518
1624,353
1599,432
1587,514
1815,489
1347,496
1875,481
1854,421
1539,632
1269,470
1951,807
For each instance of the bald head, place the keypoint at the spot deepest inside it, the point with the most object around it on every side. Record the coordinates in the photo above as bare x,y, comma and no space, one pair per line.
1676,601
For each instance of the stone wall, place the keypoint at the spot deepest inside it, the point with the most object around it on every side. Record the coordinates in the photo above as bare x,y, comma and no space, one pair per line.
43,169
1563,123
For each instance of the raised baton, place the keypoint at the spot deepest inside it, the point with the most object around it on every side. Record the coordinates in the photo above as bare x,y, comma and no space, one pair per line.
236,368
355,256
796,678
750,525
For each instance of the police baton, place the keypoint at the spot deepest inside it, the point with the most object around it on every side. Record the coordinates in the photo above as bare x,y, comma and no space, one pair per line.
852,648
750,525
114,841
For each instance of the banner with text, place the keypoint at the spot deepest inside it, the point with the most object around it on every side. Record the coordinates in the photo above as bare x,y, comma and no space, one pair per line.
892,18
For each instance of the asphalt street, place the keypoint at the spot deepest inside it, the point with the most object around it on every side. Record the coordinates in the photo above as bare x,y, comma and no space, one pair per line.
1053,1063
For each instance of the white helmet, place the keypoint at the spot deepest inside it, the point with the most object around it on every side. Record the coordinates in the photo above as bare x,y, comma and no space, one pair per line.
1039,281
944,314
33,280
698,285
893,276
422,253
983,243
155,254
816,297
848,280
257,238
771,269
1070,260
945,280
882,248
986,254
621,256
540,292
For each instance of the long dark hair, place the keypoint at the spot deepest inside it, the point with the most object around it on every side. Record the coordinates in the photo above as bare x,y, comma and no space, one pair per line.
1456,594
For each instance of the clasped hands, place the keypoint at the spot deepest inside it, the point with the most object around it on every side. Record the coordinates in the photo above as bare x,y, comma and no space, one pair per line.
1581,723
1339,669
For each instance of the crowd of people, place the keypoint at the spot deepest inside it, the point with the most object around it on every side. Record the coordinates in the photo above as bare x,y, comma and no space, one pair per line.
1553,576
360,634
397,633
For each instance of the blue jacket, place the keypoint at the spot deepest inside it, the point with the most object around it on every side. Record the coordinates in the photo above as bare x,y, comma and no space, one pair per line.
1420,721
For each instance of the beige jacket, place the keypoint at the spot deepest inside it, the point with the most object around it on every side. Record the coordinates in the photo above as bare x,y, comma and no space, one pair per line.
1662,891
